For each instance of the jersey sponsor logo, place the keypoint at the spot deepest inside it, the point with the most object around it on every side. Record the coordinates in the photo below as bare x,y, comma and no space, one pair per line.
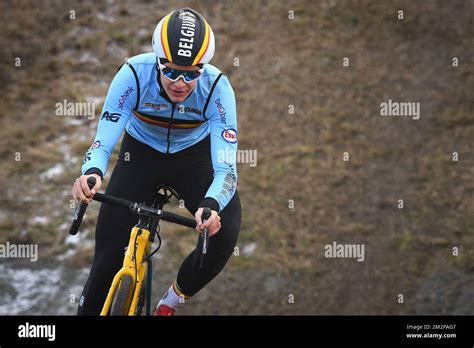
111,116
182,109
156,106
230,183
221,110
87,157
188,29
230,135
95,145
124,97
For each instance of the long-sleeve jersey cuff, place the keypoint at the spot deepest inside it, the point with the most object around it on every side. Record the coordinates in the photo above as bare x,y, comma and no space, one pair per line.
94,170
209,202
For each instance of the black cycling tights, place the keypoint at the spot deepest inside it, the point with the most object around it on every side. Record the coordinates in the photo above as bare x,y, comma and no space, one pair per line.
139,170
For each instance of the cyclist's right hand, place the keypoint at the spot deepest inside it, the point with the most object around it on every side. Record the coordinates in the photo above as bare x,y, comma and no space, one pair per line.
81,191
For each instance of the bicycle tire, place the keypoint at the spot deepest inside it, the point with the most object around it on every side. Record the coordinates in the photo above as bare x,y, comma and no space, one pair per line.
120,304
141,297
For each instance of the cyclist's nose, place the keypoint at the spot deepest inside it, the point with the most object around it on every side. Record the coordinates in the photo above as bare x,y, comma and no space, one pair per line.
180,83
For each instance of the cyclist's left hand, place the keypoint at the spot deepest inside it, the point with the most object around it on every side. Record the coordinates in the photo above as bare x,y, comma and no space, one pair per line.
213,224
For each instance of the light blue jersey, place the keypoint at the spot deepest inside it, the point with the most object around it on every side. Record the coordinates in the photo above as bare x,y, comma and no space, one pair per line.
135,102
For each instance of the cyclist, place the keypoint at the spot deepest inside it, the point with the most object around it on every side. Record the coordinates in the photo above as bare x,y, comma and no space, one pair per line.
179,117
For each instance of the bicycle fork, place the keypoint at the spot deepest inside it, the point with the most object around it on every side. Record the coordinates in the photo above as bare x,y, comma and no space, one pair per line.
133,266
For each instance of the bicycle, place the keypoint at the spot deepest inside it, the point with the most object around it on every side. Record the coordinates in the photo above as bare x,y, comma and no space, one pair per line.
129,294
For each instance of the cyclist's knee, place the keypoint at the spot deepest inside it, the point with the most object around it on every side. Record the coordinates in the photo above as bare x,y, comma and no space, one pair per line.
230,229
228,238
223,246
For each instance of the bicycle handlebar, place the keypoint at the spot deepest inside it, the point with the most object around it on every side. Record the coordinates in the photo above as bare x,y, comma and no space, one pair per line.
137,208
143,210
178,219
119,202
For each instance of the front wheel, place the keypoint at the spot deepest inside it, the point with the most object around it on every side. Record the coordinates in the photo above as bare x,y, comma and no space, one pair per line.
141,297
121,301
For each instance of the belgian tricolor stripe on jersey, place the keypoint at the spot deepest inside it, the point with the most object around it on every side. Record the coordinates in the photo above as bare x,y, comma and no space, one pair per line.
164,122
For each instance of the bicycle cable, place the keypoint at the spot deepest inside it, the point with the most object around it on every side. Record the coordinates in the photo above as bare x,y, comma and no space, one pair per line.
135,251
159,243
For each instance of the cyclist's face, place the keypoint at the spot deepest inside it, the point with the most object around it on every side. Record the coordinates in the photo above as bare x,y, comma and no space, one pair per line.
178,90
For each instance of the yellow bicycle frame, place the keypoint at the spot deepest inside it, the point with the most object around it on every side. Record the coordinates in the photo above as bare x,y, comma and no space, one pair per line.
142,247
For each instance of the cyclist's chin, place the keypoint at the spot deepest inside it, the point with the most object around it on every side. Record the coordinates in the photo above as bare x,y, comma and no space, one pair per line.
178,97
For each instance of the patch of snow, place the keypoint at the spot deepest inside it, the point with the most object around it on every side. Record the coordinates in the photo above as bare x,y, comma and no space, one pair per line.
79,31
65,148
67,255
64,226
95,100
113,49
27,199
87,244
52,172
35,190
57,213
27,288
3,215
73,121
88,57
83,137
142,32
40,290
105,18
73,240
40,220
63,138
249,249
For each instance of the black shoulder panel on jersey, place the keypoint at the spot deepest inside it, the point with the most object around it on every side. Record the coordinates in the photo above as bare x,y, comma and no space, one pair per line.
138,84
210,95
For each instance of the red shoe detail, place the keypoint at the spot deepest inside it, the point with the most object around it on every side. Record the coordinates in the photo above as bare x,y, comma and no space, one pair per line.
164,310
